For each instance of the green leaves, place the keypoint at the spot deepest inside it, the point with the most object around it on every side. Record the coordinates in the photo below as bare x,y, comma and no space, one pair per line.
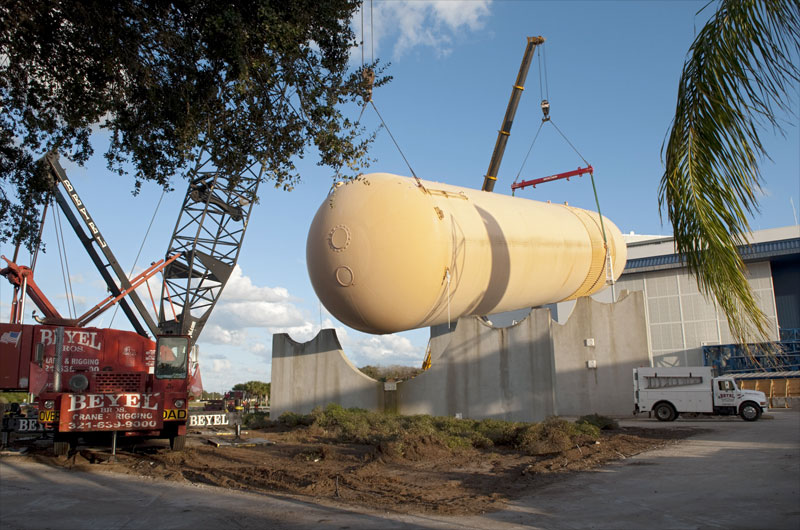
254,388
740,72
254,81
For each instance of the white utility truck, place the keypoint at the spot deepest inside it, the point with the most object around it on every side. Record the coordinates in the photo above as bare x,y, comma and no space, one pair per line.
669,392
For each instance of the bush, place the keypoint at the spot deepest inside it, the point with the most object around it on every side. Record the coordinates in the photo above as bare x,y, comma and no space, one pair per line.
396,435
256,420
602,422
291,419
499,432
554,435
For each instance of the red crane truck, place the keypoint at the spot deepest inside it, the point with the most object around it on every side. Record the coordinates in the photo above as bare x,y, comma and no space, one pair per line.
93,381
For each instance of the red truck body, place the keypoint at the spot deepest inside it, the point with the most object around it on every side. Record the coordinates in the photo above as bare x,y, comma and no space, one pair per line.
107,380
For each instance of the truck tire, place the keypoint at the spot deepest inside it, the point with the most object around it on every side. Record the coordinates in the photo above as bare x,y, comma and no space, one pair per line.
665,412
750,411
178,442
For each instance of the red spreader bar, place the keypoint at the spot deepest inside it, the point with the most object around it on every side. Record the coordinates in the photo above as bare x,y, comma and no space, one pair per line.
566,175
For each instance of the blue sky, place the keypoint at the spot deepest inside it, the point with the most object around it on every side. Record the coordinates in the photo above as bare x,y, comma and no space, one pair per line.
612,75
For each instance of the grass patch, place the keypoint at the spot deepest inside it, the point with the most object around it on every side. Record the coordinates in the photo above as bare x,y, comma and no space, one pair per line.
398,434
13,397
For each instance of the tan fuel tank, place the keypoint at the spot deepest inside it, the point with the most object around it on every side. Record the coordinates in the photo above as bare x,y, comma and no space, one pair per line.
386,253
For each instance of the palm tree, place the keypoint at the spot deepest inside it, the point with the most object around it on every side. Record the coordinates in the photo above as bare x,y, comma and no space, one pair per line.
739,74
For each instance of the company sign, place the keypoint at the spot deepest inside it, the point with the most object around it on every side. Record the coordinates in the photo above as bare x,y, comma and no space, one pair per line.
82,349
110,412
206,419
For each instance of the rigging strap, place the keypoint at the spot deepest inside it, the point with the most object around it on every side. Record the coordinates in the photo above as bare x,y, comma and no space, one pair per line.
419,182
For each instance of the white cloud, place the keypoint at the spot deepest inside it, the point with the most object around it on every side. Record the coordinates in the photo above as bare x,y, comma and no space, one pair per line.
363,349
216,334
301,333
242,305
259,348
385,350
240,288
238,315
456,14
410,24
245,305
252,342
219,365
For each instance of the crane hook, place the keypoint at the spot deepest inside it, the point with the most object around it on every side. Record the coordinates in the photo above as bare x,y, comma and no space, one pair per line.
545,110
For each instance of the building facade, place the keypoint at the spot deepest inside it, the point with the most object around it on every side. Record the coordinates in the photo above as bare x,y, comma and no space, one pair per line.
681,320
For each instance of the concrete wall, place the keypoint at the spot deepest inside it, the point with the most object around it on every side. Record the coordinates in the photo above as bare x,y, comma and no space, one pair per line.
619,333
486,372
525,372
316,373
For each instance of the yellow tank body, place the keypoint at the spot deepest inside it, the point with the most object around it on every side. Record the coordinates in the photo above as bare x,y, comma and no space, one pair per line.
387,254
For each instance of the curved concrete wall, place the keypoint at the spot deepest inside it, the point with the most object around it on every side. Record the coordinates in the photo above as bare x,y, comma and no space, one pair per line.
315,373
487,372
526,372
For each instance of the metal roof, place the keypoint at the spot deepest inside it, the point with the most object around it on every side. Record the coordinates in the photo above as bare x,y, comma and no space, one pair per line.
756,251
765,375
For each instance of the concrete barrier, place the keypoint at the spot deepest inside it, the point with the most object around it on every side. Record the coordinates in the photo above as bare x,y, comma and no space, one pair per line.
315,373
488,372
525,372
596,351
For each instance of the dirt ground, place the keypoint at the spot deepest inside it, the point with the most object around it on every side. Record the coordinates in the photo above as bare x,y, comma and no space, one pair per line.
427,478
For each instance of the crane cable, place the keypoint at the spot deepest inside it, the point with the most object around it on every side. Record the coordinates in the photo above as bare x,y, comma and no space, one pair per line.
369,78
64,261
544,96
544,93
136,260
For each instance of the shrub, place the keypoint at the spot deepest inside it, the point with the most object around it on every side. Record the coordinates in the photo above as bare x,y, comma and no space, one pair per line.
255,420
602,422
408,436
292,419
554,435
499,432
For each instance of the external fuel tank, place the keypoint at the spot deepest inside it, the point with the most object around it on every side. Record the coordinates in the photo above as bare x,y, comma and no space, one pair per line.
387,253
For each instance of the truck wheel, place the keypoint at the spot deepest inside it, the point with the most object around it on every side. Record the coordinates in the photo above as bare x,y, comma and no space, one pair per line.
750,411
665,412
178,442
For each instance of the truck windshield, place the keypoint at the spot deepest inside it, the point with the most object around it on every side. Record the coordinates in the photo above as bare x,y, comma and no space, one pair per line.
171,357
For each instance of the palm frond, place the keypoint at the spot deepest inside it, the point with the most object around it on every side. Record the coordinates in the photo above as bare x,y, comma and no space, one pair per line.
740,74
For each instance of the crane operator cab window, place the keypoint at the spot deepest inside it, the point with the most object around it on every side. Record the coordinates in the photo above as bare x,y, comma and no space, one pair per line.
172,355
